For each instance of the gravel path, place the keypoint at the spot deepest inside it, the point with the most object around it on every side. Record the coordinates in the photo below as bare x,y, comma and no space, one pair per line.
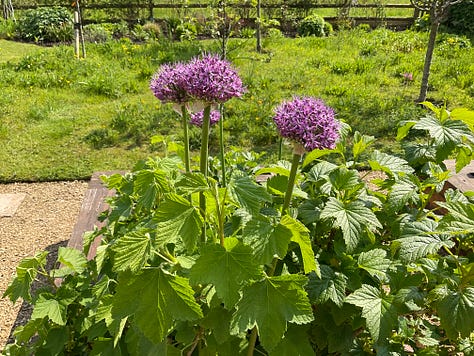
44,220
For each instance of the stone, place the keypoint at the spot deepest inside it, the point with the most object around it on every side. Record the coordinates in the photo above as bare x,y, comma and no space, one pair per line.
9,203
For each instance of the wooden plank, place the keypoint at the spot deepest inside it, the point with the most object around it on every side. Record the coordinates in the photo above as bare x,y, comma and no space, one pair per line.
92,205
463,180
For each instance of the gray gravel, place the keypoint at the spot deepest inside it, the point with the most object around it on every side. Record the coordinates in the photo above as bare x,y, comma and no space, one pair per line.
44,220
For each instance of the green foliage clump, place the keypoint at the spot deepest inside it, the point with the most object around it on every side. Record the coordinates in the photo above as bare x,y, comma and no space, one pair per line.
153,30
313,25
422,23
460,18
46,24
356,266
96,33
7,29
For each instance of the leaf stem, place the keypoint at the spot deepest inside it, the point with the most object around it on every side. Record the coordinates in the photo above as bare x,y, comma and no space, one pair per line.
204,162
291,182
184,118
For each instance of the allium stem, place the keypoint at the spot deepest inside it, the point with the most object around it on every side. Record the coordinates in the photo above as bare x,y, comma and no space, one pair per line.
221,144
280,148
291,182
206,123
184,118
252,341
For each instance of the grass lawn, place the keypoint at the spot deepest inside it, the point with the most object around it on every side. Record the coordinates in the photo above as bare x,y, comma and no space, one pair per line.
63,118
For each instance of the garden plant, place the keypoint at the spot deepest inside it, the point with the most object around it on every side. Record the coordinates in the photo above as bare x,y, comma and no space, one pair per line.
300,257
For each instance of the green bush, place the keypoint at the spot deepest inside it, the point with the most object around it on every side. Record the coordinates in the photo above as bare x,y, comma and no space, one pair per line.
152,29
47,24
96,33
422,23
460,18
312,26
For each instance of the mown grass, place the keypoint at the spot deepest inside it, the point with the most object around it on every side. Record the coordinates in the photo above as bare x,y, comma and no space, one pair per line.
63,118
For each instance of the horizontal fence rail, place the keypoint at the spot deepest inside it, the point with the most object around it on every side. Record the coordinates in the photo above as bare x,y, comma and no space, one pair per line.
150,7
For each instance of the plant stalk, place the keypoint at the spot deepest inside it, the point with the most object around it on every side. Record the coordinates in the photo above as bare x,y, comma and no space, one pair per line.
221,144
184,118
280,148
252,341
289,192
291,182
206,123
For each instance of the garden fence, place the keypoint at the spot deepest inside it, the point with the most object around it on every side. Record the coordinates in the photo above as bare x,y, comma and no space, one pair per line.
351,12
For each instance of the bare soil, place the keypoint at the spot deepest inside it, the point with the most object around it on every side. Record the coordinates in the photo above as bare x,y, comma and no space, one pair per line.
44,221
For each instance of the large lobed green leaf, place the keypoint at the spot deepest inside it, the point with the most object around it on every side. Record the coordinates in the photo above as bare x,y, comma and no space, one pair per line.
374,262
266,238
47,306
351,217
389,164
300,235
177,219
456,311
26,273
248,194
377,309
418,240
228,268
270,305
460,218
329,286
148,186
132,250
155,299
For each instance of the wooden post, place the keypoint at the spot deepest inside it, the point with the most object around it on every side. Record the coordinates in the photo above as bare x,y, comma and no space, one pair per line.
81,31
76,34
259,28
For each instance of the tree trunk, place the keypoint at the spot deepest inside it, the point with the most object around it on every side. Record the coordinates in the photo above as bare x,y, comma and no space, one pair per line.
428,59
7,10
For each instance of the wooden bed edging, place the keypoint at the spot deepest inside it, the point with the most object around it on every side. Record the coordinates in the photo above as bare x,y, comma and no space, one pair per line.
92,205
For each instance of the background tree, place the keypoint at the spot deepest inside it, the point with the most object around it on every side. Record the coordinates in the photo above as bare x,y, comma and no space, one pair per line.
7,9
438,10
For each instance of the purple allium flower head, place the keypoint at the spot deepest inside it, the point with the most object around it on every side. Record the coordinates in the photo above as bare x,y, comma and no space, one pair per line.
198,117
307,121
213,80
169,83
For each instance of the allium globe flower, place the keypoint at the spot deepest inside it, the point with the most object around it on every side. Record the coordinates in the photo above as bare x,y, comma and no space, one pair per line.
213,80
198,117
169,83
308,122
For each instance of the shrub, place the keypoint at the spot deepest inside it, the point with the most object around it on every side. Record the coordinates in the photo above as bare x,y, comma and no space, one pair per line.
460,18
153,30
186,31
96,33
422,23
247,32
312,26
328,30
47,24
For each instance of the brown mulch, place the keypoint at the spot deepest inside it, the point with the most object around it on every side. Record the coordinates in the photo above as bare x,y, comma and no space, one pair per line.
44,220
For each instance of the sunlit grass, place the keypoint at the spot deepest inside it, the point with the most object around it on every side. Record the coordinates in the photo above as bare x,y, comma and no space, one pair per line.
62,118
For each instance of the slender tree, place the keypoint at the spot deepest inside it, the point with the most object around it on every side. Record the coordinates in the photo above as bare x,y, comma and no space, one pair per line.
7,9
438,10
